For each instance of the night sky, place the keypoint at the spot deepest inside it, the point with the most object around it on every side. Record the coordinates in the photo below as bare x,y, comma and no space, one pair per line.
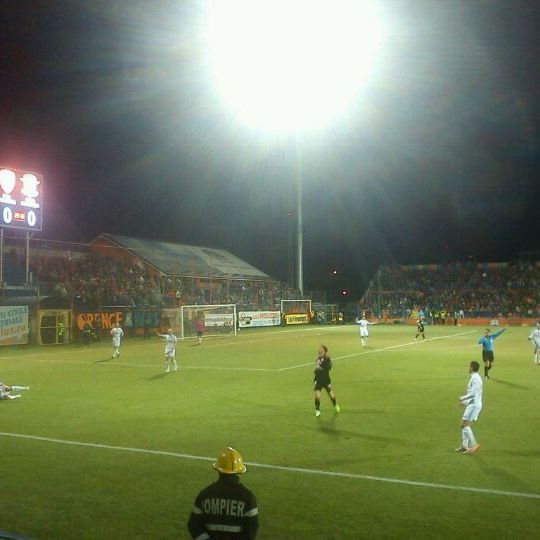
438,161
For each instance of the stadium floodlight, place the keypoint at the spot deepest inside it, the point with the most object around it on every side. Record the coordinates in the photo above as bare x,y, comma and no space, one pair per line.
291,67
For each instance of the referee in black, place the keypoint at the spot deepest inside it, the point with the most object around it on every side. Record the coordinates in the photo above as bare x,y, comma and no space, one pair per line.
420,328
225,510
321,380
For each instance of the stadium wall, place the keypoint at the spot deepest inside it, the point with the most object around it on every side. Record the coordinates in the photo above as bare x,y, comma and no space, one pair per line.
482,321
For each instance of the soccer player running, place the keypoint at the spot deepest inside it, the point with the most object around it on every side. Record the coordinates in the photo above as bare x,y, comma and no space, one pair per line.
170,350
6,391
420,329
487,342
534,336
472,401
364,329
117,334
322,380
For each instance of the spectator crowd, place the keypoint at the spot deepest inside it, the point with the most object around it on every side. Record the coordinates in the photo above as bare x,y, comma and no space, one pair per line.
91,281
466,289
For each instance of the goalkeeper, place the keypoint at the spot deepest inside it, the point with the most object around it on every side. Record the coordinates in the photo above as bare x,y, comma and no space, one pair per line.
6,392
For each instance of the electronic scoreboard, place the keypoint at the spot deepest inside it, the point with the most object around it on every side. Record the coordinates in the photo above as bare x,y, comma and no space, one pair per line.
21,199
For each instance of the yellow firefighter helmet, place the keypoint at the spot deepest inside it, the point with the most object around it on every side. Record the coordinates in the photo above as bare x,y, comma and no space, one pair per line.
230,461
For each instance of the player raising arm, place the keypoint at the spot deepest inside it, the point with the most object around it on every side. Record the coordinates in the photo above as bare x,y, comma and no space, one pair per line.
170,350
534,336
117,334
322,380
487,342
6,392
364,325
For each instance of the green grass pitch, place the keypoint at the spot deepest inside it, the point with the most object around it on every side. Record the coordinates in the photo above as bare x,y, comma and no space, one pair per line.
400,421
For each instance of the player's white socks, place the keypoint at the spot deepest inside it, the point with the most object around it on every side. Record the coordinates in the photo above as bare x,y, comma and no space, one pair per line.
20,388
175,364
464,438
470,436
363,342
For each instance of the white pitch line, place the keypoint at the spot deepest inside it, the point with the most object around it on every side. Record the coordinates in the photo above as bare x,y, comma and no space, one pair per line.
362,353
227,368
181,367
301,470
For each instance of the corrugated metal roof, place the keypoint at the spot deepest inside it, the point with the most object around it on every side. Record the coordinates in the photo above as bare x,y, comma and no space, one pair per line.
186,260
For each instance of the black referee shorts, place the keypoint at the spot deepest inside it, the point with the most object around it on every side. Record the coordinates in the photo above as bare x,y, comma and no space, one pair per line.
319,385
487,356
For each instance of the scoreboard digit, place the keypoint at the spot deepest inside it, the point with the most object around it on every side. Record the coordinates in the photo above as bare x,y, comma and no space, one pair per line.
21,199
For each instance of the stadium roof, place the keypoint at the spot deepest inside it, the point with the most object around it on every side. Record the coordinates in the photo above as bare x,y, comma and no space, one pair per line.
185,260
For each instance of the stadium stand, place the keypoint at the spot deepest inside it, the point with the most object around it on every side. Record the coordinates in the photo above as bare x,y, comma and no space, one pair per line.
116,270
467,289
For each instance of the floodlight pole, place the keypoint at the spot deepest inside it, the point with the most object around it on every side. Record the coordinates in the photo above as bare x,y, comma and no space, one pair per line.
299,210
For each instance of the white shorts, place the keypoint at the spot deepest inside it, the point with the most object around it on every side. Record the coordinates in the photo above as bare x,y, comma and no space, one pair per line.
116,343
364,333
170,353
472,412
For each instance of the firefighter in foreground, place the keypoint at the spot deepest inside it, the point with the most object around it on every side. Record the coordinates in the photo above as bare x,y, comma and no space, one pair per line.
225,509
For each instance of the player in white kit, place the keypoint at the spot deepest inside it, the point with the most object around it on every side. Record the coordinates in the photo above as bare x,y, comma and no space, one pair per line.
117,334
364,325
472,401
6,392
170,350
534,337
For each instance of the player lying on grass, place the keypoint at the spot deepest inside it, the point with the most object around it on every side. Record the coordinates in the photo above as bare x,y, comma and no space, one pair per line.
170,350
6,392
472,401
322,380
534,337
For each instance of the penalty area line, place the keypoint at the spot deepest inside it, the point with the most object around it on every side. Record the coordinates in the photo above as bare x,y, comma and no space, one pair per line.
283,468
363,353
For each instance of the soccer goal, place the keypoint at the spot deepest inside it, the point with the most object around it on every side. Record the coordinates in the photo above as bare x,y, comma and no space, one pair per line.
217,320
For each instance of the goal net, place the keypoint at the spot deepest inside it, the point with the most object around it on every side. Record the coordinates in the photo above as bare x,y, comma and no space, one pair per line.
216,320
296,311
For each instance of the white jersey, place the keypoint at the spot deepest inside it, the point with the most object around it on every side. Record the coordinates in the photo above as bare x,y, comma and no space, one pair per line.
117,335
170,344
534,336
475,389
3,391
364,326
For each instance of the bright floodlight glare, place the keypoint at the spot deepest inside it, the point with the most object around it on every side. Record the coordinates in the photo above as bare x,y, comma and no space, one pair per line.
291,65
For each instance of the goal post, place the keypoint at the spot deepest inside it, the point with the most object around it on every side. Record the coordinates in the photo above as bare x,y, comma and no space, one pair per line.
296,311
219,320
